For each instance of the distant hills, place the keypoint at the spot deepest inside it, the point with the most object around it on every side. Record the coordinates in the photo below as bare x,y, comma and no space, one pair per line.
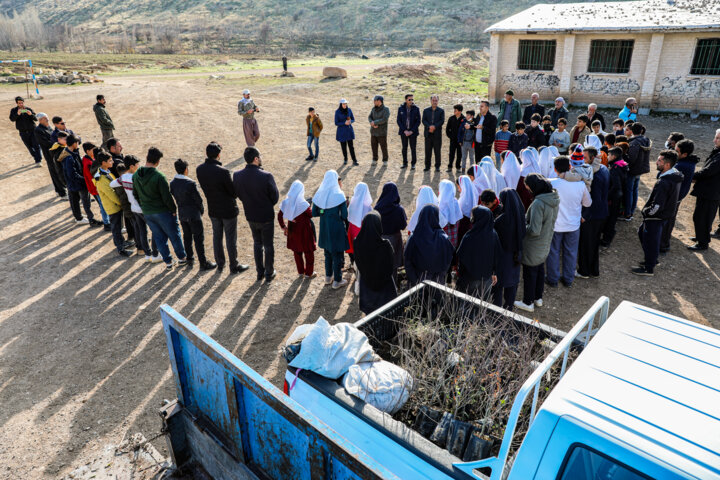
257,26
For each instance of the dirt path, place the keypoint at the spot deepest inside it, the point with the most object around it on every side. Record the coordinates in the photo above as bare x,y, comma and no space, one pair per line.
82,355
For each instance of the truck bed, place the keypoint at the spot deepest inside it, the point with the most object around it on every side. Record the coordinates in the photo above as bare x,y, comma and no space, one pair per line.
380,327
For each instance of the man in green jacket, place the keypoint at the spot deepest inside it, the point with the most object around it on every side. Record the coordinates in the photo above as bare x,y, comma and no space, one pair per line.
510,110
378,118
103,119
152,192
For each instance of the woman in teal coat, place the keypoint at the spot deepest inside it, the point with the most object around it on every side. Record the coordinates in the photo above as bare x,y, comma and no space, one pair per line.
329,203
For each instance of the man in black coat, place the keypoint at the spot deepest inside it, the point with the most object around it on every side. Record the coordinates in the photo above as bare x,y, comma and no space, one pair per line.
707,192
43,137
24,119
451,130
217,185
533,108
485,127
258,193
408,120
433,118
190,210
593,115
660,207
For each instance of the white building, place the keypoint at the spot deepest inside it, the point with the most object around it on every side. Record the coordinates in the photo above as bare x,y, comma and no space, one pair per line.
665,53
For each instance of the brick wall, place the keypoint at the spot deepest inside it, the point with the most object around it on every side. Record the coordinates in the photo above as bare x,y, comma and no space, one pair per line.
659,73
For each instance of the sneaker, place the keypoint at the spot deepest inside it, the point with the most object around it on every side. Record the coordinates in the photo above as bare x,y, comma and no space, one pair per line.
82,221
128,244
125,253
539,303
523,306
355,163
183,261
328,280
208,266
312,275
156,259
38,164
148,258
169,266
697,247
580,275
626,219
271,277
309,158
641,271
404,165
340,284
95,223
412,167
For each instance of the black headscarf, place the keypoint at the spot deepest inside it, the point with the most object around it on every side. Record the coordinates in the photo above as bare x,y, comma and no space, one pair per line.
373,254
510,225
429,248
394,218
537,184
476,253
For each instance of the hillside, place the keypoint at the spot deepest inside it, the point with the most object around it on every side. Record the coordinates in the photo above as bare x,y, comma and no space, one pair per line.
260,26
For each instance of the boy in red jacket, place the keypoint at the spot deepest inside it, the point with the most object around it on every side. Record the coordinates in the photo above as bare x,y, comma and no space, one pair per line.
88,172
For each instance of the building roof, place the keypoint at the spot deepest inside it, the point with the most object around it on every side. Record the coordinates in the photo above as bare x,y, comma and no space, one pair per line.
650,380
648,15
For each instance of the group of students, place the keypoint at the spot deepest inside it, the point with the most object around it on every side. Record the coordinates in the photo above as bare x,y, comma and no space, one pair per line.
527,210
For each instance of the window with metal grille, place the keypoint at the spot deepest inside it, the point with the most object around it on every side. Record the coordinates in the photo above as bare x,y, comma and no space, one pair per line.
707,57
610,56
536,54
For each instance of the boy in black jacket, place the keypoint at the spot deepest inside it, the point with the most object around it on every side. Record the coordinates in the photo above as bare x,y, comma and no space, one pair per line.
618,180
535,134
190,210
660,207
518,140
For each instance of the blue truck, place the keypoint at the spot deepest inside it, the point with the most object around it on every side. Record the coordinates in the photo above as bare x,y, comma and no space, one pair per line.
640,401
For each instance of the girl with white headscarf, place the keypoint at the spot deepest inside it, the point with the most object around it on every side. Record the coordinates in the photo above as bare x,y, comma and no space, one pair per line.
469,199
425,196
480,180
360,205
450,209
510,169
497,181
594,141
299,230
330,205
547,163
530,162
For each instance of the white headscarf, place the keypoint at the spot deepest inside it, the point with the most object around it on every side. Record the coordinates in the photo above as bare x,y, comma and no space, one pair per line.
510,170
468,196
425,196
360,204
295,203
497,182
547,163
481,181
530,162
329,194
449,206
593,140
554,150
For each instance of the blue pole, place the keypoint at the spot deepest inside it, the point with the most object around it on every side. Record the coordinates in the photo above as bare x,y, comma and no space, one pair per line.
32,70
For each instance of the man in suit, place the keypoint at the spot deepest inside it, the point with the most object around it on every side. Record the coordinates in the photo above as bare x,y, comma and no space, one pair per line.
485,127
408,120
433,119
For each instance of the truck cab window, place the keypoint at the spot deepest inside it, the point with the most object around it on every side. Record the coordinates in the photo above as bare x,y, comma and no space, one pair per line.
582,463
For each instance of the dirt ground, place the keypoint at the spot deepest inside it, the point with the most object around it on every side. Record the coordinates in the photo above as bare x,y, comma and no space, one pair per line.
83,361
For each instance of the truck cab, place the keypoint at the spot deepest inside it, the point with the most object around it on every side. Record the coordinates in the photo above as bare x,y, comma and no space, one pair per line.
641,401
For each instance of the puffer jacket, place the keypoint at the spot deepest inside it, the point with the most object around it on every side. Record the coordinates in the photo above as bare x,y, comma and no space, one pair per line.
540,217
639,155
